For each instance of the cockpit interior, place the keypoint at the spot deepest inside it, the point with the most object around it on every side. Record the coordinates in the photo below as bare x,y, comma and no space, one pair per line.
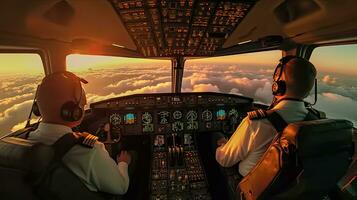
171,132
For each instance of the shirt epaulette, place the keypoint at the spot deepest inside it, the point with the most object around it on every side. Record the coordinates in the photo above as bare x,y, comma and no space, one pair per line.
257,114
88,140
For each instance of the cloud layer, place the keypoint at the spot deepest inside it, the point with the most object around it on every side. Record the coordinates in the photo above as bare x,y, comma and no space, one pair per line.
336,93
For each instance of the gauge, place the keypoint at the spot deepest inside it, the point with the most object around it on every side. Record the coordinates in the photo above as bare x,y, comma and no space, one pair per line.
163,117
115,119
207,115
191,115
177,114
192,125
233,112
233,115
146,118
177,126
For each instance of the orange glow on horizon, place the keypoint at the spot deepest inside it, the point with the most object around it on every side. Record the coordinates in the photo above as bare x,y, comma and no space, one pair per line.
83,62
20,63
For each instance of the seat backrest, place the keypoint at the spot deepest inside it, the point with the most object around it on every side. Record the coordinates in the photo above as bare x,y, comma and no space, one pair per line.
27,171
14,168
306,161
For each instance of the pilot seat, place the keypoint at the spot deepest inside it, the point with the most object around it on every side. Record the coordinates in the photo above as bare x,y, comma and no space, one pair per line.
305,161
30,170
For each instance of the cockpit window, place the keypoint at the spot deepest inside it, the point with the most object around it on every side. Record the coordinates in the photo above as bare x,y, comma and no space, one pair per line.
111,77
20,74
245,74
337,84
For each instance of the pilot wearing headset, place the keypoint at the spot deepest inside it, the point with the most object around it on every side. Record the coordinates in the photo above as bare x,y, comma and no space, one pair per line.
294,78
60,100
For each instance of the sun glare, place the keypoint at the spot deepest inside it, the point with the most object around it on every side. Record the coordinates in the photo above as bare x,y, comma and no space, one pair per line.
78,62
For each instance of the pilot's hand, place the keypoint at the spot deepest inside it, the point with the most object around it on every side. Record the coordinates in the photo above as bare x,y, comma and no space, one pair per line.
221,141
124,157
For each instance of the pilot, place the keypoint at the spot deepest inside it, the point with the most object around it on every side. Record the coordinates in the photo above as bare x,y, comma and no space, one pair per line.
95,168
295,78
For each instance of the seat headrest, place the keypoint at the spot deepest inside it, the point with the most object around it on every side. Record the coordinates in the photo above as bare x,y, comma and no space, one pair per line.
317,137
22,154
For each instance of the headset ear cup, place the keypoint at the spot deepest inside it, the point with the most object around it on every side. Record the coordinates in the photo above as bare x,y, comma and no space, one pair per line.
71,112
278,88
36,109
77,113
66,111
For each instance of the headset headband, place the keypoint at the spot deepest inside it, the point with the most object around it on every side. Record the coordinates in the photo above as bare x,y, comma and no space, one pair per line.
282,62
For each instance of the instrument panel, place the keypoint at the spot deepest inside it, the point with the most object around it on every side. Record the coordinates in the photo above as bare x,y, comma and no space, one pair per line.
173,124
167,112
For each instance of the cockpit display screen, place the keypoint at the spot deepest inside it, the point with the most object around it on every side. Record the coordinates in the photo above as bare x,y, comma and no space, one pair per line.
221,115
129,118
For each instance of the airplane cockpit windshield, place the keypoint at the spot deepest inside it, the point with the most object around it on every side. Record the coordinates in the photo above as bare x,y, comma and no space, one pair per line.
130,104
185,99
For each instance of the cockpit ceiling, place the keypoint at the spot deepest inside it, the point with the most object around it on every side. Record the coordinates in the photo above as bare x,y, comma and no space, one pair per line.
180,28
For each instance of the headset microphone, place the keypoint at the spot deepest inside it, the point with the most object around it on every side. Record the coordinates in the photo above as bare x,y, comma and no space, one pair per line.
34,109
315,100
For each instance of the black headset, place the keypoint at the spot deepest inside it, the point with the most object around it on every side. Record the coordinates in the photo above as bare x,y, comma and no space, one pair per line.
279,86
71,110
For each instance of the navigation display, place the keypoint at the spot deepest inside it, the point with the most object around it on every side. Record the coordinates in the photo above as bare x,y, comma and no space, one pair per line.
129,118
221,115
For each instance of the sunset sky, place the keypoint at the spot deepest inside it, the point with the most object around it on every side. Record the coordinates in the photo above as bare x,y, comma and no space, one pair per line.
248,75
343,56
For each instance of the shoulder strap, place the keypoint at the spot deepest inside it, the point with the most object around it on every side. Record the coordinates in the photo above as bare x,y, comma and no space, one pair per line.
276,120
314,114
60,148
64,144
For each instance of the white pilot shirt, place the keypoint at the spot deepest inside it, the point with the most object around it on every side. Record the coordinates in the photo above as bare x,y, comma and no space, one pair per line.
253,137
96,169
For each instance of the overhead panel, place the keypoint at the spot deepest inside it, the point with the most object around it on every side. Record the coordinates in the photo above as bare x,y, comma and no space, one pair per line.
180,28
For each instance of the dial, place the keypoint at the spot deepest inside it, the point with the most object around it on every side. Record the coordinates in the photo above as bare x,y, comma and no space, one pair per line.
177,114
115,119
233,115
163,117
146,118
191,115
207,115
233,112
177,126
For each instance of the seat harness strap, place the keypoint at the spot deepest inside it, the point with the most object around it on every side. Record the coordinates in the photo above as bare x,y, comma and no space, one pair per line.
276,120
280,124
64,144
